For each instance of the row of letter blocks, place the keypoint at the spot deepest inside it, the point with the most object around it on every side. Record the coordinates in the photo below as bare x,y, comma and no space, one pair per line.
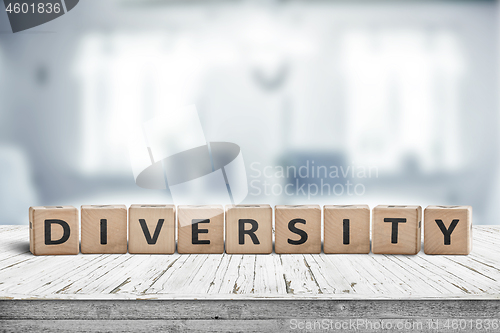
248,229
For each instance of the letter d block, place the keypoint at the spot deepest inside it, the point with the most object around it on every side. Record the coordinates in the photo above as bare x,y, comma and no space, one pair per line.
201,229
104,229
298,229
151,229
396,229
249,229
54,230
448,230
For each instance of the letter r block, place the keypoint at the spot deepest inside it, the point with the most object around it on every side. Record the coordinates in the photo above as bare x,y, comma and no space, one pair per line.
448,230
396,229
104,229
54,230
249,229
151,229
298,229
201,229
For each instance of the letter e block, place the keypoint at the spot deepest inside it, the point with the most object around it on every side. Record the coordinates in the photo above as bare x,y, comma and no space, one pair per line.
54,230
396,229
249,229
151,229
448,230
347,229
201,229
104,229
298,229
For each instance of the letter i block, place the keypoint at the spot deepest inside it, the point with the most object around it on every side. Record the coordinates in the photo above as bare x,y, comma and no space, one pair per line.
396,229
347,229
104,229
448,230
249,229
201,229
298,229
54,230
151,229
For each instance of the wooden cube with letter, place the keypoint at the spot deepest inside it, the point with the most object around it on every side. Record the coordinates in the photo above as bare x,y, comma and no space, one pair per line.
104,229
396,229
151,229
54,230
201,229
347,228
249,229
448,230
297,229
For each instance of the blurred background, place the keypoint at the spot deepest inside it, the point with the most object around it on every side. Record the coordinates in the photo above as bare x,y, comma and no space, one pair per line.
408,89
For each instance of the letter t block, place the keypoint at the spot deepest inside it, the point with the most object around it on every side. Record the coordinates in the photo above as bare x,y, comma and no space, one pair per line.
396,229
448,230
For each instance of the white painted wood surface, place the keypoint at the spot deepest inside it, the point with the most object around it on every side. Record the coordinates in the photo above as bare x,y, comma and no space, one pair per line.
309,276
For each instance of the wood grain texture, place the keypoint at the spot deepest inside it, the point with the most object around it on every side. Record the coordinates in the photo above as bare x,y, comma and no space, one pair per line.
37,217
406,239
164,243
210,235
286,240
115,217
263,217
458,240
248,277
356,237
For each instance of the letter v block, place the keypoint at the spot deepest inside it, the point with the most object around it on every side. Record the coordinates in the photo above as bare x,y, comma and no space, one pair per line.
151,229
104,229
396,229
249,229
201,229
448,230
298,229
54,230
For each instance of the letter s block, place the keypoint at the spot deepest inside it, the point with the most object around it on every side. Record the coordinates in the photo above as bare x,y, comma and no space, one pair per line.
104,229
201,229
396,229
249,229
298,229
448,230
54,230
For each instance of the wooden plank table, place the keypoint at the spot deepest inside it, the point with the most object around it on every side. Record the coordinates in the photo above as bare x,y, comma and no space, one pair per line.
247,292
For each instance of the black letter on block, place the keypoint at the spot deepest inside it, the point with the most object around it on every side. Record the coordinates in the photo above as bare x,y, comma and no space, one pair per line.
196,231
447,233
104,231
394,221
301,233
145,230
48,232
346,231
251,232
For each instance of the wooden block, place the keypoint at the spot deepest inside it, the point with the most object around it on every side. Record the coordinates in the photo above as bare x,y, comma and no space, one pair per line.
448,230
347,228
298,229
151,229
54,230
201,229
249,229
396,229
104,229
